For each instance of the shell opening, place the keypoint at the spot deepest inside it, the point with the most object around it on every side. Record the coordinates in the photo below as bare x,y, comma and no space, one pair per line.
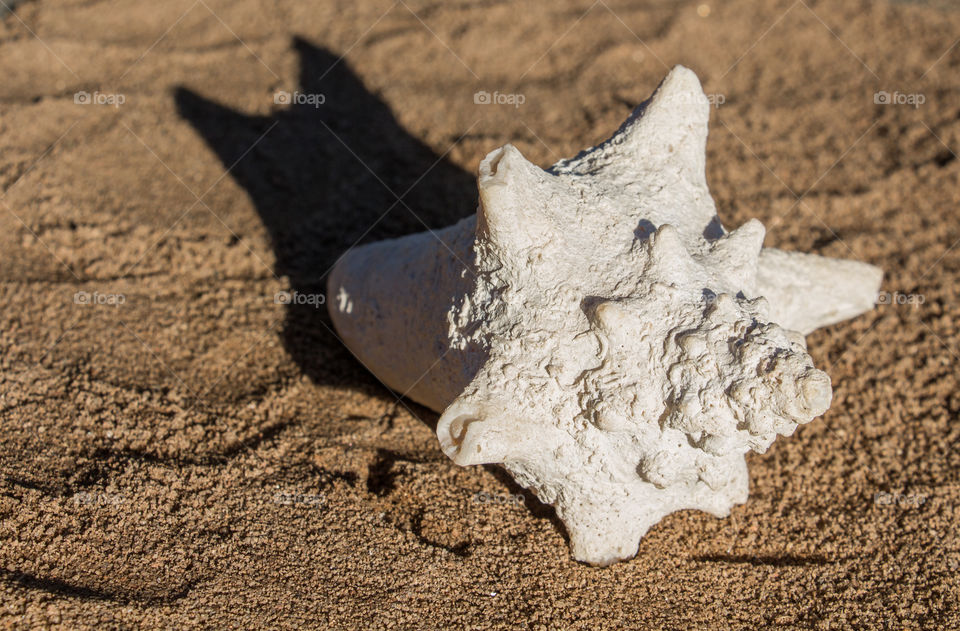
456,439
458,427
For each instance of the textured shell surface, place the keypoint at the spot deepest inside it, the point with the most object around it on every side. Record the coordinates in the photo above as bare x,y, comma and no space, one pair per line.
598,332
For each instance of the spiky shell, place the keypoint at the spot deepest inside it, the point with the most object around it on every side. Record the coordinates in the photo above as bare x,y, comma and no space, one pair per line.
598,332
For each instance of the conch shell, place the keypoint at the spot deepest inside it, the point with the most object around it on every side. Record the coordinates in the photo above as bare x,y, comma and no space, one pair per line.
596,330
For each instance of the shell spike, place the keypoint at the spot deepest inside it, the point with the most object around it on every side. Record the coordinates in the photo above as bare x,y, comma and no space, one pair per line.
610,316
672,123
512,213
669,257
736,255
472,431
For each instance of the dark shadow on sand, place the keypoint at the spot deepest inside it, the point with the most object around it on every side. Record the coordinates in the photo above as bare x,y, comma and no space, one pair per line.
324,177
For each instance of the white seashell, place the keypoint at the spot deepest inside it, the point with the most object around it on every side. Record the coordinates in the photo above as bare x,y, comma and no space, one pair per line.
597,332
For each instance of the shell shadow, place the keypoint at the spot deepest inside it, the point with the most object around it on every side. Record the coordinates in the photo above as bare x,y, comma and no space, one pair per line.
324,177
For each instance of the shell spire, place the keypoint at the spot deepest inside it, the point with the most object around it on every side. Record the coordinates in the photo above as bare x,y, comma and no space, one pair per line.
669,127
675,118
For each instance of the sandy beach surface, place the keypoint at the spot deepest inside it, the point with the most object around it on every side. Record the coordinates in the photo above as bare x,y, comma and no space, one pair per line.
179,449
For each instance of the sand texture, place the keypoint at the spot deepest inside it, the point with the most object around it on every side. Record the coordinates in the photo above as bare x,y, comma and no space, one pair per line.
178,449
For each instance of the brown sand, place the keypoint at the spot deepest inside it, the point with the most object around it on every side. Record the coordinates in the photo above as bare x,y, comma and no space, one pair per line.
201,456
